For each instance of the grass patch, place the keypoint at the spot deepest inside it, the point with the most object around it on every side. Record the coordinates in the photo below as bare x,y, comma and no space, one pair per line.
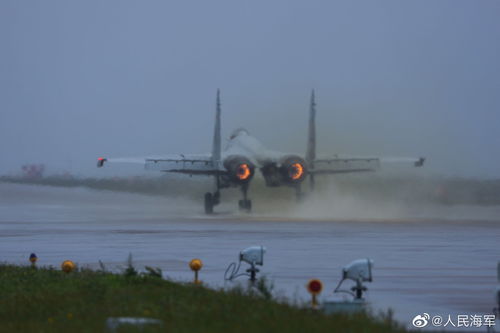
48,300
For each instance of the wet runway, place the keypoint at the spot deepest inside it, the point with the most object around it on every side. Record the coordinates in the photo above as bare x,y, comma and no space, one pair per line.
439,266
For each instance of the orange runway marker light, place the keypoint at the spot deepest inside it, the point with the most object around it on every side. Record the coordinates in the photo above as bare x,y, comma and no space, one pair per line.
68,266
196,265
314,287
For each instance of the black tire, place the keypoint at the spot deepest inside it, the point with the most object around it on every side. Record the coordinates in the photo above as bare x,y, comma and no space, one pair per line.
245,205
209,205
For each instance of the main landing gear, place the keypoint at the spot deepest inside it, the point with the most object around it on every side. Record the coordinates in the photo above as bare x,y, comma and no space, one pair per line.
213,199
245,204
299,194
210,201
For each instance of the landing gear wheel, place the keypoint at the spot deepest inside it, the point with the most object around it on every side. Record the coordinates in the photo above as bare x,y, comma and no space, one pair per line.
245,205
209,204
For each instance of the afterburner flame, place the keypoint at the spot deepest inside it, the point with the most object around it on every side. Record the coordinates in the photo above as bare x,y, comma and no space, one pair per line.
296,171
243,171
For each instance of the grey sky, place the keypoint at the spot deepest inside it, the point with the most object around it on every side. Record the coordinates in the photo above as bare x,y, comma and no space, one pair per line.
79,79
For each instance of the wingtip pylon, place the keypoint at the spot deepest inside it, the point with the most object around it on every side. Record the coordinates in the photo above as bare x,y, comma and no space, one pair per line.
420,162
100,161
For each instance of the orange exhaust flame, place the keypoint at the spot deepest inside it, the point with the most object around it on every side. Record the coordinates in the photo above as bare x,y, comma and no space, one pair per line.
296,171
243,171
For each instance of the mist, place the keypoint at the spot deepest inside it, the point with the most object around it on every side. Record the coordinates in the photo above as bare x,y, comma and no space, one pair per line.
124,78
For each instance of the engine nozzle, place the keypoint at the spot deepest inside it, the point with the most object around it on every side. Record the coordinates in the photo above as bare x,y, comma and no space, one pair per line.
293,169
239,168
243,171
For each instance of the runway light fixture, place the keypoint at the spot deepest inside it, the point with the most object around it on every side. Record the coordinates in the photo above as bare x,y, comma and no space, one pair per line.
359,271
196,265
68,266
33,259
253,256
314,287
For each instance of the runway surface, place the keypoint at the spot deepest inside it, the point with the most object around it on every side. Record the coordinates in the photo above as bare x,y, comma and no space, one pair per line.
438,265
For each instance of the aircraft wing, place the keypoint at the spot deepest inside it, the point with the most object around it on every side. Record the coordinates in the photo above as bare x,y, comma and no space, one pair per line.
180,163
344,165
337,164
357,164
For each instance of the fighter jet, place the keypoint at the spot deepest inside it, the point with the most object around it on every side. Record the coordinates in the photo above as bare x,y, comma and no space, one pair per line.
235,166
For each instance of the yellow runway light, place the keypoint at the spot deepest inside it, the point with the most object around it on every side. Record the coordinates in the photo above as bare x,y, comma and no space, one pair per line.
68,266
196,265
